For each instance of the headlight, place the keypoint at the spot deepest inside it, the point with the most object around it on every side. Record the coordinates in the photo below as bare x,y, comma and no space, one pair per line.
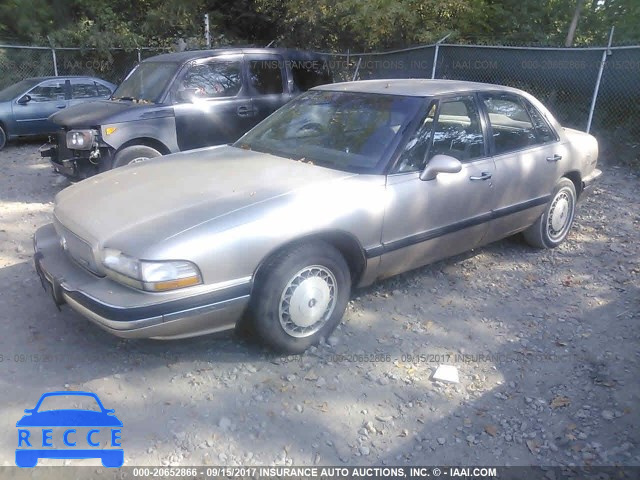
151,276
81,139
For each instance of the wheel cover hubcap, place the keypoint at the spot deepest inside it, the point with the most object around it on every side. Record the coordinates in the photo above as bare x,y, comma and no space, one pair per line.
560,215
308,301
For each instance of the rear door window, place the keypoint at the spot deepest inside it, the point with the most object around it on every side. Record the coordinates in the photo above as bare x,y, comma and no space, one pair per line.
510,123
265,76
83,89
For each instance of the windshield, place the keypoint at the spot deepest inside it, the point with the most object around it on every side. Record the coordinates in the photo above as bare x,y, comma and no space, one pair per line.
146,82
16,89
348,131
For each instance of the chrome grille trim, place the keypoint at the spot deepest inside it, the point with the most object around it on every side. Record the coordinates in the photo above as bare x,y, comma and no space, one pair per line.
77,248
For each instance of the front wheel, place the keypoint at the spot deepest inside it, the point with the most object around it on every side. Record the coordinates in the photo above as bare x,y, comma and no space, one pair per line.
134,154
553,226
300,296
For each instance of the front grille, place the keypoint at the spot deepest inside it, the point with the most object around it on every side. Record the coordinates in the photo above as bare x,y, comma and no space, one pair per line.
77,248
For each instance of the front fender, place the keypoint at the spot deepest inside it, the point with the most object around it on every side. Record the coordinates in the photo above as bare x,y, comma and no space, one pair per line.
161,129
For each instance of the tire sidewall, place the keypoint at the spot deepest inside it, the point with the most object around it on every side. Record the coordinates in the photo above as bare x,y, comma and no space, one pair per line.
265,301
3,137
127,154
566,185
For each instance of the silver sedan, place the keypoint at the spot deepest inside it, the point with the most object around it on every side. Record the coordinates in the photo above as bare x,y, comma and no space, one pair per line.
345,185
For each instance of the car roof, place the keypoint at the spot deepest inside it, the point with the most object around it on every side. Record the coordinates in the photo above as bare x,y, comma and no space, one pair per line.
414,87
61,77
181,57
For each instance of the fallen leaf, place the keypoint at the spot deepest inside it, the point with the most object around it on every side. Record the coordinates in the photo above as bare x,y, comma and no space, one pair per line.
533,446
560,401
491,430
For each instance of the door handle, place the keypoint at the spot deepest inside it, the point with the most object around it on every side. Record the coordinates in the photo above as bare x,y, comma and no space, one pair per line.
244,111
555,158
60,106
482,176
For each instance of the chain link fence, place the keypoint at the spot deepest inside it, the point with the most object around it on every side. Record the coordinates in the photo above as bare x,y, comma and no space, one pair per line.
19,62
565,79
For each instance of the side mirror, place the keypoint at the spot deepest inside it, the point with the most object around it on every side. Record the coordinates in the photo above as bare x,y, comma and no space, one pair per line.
23,100
440,164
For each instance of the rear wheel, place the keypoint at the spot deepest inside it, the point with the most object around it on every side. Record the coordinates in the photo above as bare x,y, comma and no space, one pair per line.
134,154
300,297
3,137
553,226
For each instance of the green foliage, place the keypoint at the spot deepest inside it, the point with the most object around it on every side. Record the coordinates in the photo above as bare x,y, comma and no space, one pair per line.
324,24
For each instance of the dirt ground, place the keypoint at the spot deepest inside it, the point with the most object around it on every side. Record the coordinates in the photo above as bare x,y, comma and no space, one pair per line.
546,344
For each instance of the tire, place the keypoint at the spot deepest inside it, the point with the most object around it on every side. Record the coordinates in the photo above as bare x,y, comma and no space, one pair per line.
134,154
3,137
553,226
319,306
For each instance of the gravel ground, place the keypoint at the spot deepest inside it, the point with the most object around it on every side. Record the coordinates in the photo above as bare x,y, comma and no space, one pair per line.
545,342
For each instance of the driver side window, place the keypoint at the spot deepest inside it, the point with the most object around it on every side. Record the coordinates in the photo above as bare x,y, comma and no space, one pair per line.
413,157
452,129
48,91
458,132
213,79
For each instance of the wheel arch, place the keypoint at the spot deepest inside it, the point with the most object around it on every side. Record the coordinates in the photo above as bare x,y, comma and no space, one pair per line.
346,243
576,178
147,142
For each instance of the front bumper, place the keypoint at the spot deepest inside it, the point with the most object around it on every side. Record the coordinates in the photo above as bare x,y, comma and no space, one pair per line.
75,164
130,313
61,164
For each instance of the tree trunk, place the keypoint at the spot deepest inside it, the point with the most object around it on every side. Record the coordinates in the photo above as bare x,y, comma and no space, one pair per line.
574,23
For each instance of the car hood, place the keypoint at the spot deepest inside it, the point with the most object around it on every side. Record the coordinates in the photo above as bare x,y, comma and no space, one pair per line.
156,200
69,418
100,112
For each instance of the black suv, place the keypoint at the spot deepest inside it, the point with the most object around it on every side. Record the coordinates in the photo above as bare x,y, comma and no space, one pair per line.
180,101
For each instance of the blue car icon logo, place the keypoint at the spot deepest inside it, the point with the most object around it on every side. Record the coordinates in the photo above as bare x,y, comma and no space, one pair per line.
69,433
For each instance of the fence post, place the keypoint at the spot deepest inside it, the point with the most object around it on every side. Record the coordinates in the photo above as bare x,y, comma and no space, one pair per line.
605,52
207,37
139,55
355,74
435,55
55,62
